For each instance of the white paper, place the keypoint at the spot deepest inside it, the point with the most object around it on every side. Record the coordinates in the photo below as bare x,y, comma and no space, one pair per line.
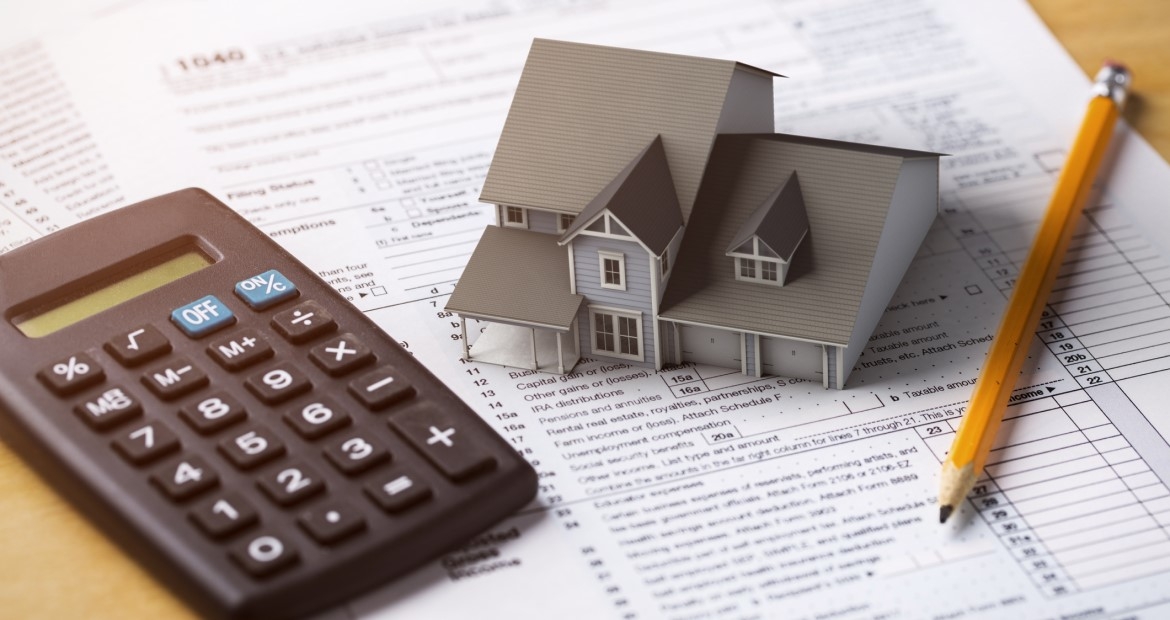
358,137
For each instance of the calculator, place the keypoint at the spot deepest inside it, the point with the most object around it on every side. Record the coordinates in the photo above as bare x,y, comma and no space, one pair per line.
242,430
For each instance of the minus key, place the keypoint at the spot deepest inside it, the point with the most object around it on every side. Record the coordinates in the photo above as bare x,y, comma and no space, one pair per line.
380,388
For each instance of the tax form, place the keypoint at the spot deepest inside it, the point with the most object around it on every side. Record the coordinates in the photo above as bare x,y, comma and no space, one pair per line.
358,138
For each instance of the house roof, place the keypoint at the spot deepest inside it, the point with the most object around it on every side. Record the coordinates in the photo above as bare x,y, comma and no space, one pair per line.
846,189
582,112
780,221
518,276
642,197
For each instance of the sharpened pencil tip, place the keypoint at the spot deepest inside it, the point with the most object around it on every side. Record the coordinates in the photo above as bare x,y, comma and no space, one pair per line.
944,512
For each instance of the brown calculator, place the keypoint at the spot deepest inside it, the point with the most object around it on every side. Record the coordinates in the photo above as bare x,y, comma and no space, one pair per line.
243,431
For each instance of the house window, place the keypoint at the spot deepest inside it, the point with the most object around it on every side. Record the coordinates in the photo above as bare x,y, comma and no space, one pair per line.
515,217
757,270
617,333
613,270
768,270
564,221
665,261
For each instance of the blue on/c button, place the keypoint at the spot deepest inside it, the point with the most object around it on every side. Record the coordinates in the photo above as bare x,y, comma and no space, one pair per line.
266,289
202,316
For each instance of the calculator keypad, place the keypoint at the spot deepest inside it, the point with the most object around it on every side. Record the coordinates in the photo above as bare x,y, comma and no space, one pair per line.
219,415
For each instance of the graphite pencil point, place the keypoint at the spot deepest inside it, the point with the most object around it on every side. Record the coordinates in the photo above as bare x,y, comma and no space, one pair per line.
944,512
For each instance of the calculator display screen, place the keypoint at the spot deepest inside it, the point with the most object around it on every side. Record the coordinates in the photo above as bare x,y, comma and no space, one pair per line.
125,289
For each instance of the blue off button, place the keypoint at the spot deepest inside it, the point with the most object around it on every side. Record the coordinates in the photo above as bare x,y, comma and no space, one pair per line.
265,290
203,316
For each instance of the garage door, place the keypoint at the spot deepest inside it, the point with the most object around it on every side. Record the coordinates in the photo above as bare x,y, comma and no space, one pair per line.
791,358
706,345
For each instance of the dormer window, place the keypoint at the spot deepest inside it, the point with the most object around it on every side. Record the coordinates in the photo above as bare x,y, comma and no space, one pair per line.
564,222
767,240
758,270
756,262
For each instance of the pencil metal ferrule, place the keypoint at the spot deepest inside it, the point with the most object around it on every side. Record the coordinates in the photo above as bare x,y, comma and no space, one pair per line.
1112,81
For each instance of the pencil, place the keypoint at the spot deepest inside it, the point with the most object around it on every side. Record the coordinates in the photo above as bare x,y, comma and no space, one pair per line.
1009,349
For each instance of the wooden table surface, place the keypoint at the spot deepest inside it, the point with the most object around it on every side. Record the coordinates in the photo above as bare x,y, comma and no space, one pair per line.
53,564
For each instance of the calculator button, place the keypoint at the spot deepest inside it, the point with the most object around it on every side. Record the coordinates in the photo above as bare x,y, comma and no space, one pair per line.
304,322
109,409
224,515
146,443
138,346
185,479
202,316
341,355
264,554
316,419
443,441
380,388
278,384
355,453
332,522
175,378
291,484
213,413
265,290
240,350
397,491
71,374
251,447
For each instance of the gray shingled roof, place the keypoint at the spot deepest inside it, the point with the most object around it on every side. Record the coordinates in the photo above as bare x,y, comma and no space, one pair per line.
642,197
517,275
582,112
780,222
847,190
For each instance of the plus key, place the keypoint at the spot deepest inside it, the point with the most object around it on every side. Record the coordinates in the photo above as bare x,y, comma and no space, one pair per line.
449,445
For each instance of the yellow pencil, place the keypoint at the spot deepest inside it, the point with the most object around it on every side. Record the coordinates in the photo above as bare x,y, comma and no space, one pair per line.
1005,360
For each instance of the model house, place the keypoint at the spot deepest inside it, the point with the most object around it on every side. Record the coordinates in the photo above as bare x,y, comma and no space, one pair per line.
648,214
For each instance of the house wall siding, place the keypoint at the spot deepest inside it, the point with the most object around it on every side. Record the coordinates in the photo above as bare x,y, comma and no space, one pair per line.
542,221
748,106
636,297
912,211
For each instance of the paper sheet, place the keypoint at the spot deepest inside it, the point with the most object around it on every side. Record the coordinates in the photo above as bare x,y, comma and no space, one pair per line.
358,137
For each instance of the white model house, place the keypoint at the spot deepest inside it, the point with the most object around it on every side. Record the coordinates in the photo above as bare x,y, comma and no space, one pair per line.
647,213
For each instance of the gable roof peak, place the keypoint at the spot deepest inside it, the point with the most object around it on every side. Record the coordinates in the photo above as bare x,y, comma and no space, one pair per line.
641,197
